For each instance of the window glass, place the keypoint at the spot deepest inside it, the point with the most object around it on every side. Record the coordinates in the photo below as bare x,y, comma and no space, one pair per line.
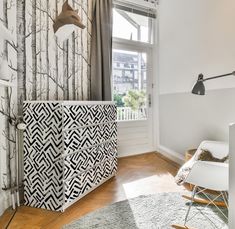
131,26
130,84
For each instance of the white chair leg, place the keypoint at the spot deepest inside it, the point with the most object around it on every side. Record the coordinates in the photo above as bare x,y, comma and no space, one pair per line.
225,198
190,205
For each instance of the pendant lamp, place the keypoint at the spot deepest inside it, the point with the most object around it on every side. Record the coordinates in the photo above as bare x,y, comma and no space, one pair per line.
66,22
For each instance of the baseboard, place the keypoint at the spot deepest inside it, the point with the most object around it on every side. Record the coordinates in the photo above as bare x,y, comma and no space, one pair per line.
136,154
4,201
171,154
134,151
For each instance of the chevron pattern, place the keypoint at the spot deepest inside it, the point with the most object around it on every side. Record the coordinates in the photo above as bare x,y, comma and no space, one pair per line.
86,159
90,150
77,116
109,167
89,179
42,150
78,139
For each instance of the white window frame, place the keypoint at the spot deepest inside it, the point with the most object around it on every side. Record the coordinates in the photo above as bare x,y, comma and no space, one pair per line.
138,46
151,49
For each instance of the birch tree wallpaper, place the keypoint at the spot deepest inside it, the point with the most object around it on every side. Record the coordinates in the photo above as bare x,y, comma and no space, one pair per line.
41,67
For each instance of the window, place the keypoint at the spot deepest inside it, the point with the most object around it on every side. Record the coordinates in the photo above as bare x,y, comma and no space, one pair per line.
131,23
133,38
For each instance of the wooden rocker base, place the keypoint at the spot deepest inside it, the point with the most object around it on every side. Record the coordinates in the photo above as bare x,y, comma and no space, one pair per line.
204,201
177,226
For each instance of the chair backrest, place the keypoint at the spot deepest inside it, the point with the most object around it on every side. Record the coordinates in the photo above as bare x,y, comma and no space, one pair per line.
218,149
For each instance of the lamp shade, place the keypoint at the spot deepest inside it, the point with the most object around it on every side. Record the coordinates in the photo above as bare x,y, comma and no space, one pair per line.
199,88
64,32
66,22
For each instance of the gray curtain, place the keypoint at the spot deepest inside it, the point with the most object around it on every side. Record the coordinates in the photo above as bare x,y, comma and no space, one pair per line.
101,50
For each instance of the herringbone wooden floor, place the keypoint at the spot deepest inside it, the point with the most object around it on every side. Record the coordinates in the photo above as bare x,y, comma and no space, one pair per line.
138,175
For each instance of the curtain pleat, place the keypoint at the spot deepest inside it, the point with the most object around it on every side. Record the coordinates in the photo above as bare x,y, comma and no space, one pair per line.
101,50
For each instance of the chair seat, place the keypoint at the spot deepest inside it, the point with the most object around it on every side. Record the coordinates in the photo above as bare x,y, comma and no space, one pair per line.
209,175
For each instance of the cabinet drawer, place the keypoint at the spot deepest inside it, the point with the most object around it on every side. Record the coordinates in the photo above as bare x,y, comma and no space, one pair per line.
86,159
78,116
43,129
43,183
83,183
86,137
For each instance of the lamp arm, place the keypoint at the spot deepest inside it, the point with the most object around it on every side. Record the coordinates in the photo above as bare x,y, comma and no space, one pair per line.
220,76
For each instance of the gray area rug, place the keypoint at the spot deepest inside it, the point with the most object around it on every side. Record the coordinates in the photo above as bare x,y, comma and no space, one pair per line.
158,211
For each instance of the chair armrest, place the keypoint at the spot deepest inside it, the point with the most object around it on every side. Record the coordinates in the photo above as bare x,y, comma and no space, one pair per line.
209,175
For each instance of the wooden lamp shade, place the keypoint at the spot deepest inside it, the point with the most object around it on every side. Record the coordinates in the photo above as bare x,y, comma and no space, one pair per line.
67,21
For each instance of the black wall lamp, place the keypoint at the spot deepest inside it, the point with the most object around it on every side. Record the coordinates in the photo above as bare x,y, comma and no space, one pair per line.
199,88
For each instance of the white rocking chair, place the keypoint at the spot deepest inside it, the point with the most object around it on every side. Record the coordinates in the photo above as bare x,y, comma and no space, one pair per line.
208,176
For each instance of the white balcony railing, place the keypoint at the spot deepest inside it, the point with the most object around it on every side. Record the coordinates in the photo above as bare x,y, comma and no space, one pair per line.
127,114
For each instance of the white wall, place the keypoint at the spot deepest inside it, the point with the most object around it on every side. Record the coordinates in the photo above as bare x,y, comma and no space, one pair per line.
186,119
195,36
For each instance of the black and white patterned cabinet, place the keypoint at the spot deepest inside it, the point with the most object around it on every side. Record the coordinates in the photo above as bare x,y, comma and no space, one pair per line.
70,148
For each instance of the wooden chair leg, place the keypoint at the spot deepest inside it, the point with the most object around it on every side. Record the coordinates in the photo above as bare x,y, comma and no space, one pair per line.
204,201
177,226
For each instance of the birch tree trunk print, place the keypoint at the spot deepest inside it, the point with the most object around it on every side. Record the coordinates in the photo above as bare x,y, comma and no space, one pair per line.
21,69
7,105
21,55
47,54
56,59
82,92
34,50
73,67
7,137
73,63
40,50
89,31
66,69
